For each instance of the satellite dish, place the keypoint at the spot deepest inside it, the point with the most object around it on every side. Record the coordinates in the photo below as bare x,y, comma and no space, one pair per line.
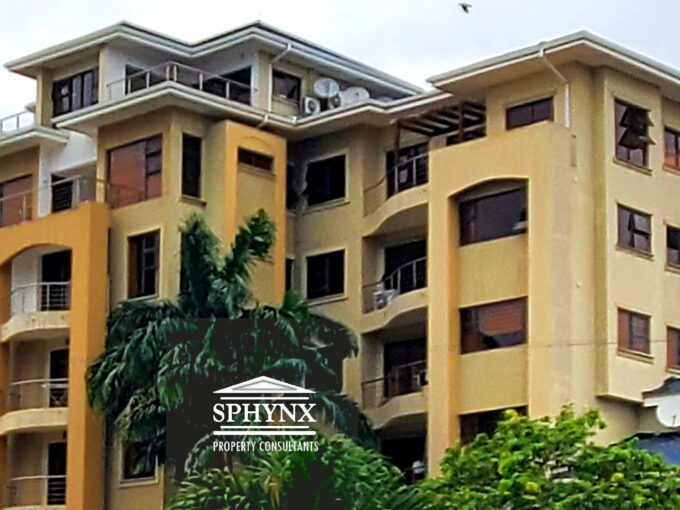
354,95
668,411
326,88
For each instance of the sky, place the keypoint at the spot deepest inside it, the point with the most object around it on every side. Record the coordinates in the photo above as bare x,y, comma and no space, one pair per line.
409,39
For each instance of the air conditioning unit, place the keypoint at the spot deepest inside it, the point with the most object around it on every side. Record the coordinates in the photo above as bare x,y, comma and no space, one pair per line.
310,106
382,298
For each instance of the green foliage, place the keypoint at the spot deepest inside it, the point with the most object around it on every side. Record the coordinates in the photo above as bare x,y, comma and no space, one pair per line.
340,476
553,463
143,372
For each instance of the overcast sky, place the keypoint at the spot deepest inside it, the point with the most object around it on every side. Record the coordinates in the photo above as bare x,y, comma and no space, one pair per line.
408,38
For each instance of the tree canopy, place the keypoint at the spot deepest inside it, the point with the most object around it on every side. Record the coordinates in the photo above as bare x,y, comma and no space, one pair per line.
553,463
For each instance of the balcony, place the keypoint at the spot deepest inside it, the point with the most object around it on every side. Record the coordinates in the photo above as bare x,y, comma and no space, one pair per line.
61,195
37,394
16,122
184,75
398,400
41,297
36,492
406,278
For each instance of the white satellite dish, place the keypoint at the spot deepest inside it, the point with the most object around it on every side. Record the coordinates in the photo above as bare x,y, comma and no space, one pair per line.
668,411
326,88
354,95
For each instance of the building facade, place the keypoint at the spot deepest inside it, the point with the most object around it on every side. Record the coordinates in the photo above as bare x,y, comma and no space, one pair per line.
509,238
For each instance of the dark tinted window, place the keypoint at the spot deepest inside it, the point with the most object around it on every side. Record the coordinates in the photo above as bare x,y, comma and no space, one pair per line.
256,159
289,273
673,353
632,139
286,86
673,246
635,230
529,113
326,274
191,165
493,216
491,326
143,265
134,466
135,172
75,92
326,180
633,331
671,148
481,423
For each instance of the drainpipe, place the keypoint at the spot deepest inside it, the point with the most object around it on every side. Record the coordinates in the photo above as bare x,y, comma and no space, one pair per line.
276,58
561,77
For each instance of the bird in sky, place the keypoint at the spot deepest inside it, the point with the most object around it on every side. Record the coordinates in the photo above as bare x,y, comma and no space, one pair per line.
465,6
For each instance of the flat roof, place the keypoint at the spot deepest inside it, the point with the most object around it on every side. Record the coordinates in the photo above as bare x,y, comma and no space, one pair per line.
257,30
582,46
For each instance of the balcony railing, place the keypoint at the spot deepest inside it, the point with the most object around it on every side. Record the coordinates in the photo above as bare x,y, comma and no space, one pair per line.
401,380
406,278
184,75
36,491
37,394
15,122
408,174
63,194
41,297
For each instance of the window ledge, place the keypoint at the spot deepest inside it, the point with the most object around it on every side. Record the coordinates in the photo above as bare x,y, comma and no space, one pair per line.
255,170
331,204
671,268
140,482
635,355
633,251
673,370
327,299
671,170
191,200
139,299
640,169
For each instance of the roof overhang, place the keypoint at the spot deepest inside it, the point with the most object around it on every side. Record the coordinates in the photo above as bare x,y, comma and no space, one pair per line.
259,32
581,47
175,95
29,137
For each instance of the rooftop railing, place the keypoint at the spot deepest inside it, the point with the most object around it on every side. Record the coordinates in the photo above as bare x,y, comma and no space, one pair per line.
408,174
36,491
401,380
37,394
180,73
406,278
16,121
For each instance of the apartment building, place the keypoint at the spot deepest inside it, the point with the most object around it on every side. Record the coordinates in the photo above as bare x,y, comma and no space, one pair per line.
508,239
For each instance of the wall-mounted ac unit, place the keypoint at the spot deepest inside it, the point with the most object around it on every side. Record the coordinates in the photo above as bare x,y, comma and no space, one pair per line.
382,298
310,105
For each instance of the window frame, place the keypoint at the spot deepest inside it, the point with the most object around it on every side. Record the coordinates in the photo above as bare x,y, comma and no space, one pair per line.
632,315
134,480
672,345
329,295
68,82
531,105
278,73
254,155
634,231
147,173
668,131
328,201
199,177
465,237
619,131
669,258
474,319
140,266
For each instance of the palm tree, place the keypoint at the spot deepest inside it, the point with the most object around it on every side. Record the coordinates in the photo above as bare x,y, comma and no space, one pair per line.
156,350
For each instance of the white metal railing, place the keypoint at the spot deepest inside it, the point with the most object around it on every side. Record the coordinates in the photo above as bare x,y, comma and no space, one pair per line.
406,278
36,490
401,380
37,394
183,74
16,121
408,174
41,297
67,193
